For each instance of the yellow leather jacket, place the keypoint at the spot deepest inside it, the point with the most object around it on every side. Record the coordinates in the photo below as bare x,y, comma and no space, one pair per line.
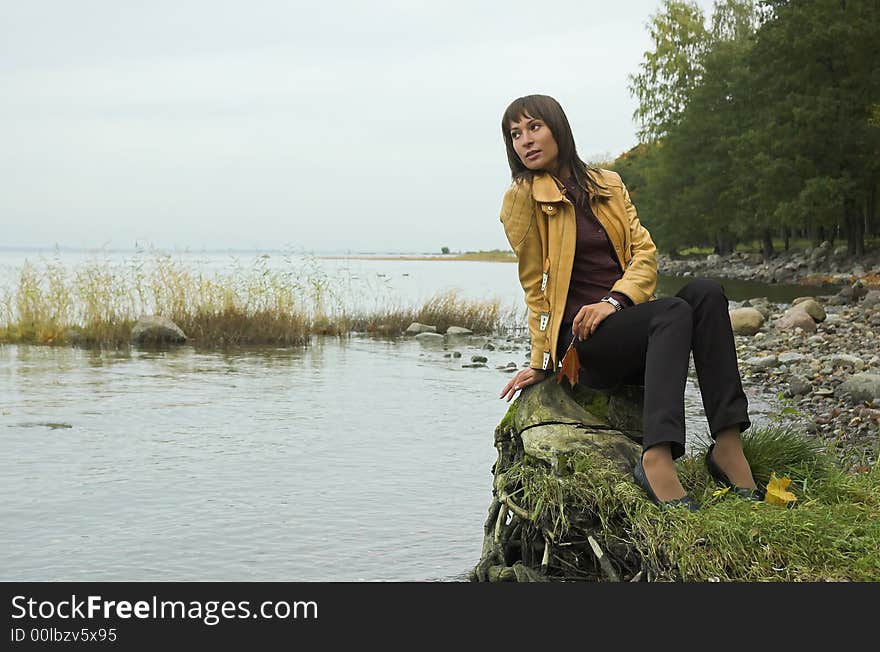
539,222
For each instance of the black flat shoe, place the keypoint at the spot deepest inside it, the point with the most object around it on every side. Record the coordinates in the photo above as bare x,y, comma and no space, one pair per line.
642,480
722,479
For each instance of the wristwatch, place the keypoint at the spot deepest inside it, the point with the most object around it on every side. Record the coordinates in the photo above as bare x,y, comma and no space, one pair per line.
614,302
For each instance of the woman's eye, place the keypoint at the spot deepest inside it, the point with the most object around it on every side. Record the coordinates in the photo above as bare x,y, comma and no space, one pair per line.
535,126
514,135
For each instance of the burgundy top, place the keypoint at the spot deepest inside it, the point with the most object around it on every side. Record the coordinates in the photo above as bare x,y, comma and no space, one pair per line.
595,269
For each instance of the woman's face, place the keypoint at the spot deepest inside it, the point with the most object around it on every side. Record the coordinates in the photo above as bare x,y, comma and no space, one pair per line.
534,144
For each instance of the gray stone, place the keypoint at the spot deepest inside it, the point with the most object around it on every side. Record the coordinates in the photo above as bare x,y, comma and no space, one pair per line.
746,321
761,304
859,290
790,357
458,330
844,360
430,339
754,259
154,329
763,362
860,387
872,298
812,308
479,358
796,318
800,386
415,328
474,365
456,354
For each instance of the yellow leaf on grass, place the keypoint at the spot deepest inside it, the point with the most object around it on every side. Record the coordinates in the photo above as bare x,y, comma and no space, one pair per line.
777,491
720,492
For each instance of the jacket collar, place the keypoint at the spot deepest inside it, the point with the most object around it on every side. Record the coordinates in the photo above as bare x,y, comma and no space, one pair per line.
546,188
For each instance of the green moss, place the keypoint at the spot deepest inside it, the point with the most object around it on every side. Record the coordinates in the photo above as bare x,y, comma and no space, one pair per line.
596,403
506,423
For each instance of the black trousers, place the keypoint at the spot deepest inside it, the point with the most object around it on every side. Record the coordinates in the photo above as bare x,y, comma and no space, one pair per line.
650,344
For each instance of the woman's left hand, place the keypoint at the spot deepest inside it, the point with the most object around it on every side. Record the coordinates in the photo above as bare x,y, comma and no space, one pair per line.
589,317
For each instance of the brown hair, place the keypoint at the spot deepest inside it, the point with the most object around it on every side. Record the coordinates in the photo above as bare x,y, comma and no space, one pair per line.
547,109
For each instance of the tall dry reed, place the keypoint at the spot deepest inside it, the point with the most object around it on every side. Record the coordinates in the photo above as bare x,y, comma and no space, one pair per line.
98,302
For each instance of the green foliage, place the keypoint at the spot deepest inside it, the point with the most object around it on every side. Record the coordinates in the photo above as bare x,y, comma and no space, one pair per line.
770,122
669,72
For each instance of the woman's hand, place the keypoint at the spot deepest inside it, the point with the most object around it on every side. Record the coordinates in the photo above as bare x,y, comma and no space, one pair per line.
589,317
524,378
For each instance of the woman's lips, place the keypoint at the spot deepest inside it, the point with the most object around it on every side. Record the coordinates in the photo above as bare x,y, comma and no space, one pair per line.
533,155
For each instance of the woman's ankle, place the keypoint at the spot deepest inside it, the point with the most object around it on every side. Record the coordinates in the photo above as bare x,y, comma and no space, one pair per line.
661,474
728,455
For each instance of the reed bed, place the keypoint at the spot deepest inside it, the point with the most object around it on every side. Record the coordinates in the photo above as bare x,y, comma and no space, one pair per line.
252,303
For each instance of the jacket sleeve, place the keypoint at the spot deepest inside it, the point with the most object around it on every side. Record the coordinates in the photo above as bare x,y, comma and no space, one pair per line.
639,279
518,216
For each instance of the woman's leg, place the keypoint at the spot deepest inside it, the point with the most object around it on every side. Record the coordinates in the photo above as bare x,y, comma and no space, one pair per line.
725,402
648,344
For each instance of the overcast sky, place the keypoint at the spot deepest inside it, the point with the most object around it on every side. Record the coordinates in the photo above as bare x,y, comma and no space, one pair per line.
362,126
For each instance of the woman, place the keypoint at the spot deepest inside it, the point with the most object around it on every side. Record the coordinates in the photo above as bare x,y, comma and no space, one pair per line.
589,269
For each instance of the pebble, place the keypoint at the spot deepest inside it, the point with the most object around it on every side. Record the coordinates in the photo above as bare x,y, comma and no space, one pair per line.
763,362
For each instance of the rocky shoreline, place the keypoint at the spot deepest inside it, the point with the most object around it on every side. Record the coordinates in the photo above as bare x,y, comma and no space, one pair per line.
821,356
816,265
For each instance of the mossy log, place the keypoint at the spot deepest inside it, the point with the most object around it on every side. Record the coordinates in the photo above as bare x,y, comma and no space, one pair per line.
549,424
565,507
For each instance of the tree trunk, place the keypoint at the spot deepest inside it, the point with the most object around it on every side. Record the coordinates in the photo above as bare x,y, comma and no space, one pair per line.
767,244
855,229
872,228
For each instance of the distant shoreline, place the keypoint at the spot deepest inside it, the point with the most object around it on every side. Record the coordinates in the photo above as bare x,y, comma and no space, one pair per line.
478,256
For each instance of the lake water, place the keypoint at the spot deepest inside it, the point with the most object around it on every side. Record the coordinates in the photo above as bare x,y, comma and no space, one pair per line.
351,459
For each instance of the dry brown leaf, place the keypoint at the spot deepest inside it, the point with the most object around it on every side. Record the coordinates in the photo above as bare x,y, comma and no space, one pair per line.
571,365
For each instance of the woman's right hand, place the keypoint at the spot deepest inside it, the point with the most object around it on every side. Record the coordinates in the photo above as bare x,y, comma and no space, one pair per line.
524,378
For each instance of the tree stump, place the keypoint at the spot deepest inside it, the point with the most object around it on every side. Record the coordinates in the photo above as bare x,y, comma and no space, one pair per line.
548,426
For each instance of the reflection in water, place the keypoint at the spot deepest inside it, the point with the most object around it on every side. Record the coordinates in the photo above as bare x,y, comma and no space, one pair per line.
348,460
